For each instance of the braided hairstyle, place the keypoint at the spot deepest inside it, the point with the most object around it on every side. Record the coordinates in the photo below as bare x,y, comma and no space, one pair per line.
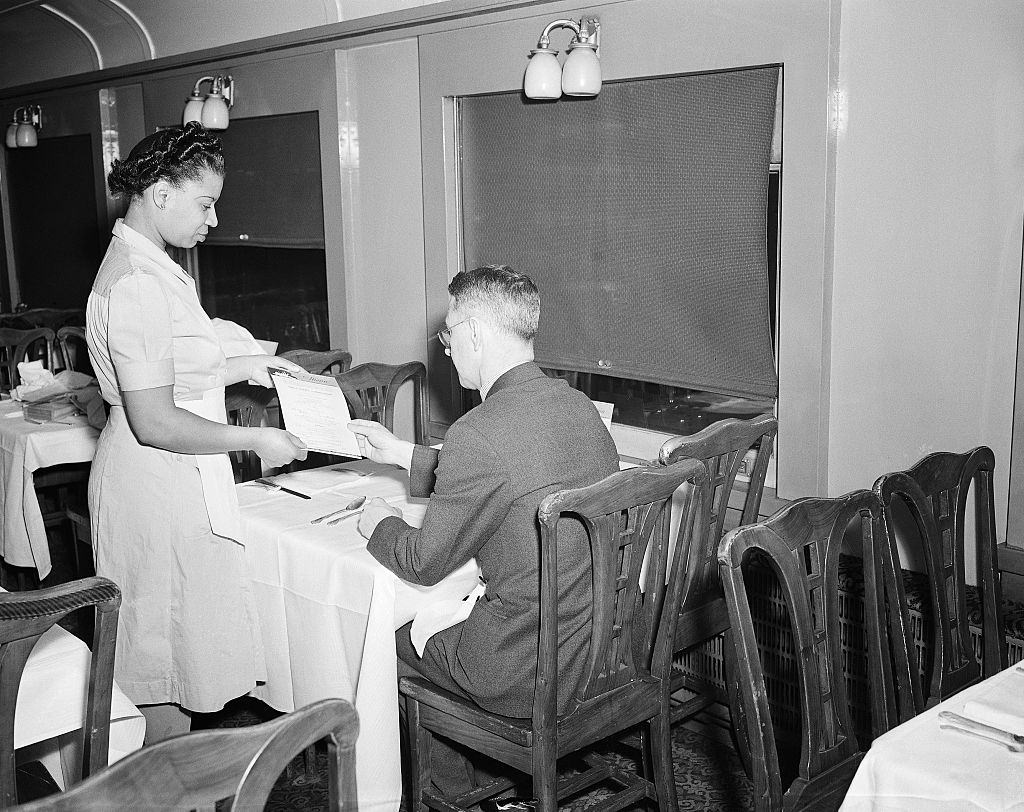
177,155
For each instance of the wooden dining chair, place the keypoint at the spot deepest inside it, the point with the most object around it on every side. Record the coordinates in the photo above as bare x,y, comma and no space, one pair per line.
195,770
372,388
24,618
320,362
935,491
246,405
37,344
73,349
801,544
625,681
723,447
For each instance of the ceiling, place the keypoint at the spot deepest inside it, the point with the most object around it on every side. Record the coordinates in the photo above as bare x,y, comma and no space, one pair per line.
45,40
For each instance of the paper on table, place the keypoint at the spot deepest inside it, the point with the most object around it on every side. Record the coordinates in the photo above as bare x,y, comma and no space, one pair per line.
1007,714
315,410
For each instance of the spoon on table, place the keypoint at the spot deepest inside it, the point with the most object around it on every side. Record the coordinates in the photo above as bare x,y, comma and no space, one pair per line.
352,507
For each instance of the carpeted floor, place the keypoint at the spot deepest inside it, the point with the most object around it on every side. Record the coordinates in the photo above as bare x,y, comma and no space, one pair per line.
708,774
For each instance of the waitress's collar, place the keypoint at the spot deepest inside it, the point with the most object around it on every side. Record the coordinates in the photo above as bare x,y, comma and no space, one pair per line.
146,246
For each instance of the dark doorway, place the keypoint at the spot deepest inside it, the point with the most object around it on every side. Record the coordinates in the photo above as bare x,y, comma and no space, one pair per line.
54,224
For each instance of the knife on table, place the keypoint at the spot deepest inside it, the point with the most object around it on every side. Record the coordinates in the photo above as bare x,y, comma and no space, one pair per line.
996,735
274,486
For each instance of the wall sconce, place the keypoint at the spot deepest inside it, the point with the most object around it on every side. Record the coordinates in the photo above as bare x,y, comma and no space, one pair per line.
21,132
545,78
211,110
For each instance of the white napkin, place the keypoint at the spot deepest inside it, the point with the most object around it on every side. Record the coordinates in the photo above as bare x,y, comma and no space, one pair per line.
38,383
442,615
1007,713
318,480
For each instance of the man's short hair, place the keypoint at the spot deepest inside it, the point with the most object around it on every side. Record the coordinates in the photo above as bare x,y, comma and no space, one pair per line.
510,299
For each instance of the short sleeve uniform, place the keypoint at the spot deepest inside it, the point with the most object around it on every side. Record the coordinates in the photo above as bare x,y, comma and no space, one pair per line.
187,630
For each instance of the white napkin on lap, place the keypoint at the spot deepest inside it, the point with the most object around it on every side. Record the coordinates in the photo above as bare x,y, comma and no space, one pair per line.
1006,714
442,615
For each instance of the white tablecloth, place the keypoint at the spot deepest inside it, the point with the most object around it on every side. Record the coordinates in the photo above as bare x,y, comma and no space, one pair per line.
328,612
920,767
51,707
24,448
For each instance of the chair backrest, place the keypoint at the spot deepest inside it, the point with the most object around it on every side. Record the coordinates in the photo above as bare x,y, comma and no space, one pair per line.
935,491
371,390
626,518
801,544
246,405
197,769
23,345
74,350
722,447
320,362
24,618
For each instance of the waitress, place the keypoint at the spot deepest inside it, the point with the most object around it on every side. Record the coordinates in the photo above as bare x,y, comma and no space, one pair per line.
165,520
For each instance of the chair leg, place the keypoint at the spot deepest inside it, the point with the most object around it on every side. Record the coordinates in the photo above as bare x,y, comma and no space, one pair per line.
661,761
419,755
545,778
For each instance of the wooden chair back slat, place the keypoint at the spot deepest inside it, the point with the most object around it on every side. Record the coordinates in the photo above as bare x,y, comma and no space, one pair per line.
801,544
935,491
195,770
24,618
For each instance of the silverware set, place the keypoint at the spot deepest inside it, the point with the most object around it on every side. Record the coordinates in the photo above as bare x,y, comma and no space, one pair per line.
351,509
990,733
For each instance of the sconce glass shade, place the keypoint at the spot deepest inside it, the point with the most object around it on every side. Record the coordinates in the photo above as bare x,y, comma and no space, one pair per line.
581,75
193,109
26,135
543,78
12,136
215,112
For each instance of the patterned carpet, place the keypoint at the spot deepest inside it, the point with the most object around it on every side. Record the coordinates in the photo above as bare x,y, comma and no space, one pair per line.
708,774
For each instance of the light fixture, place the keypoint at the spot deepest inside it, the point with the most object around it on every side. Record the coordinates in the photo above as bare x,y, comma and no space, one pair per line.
545,78
21,132
211,110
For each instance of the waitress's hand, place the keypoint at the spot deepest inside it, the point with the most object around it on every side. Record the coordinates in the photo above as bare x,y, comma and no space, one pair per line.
260,366
277,447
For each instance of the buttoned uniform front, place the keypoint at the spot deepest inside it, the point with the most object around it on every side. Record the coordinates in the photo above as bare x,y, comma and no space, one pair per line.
188,630
531,436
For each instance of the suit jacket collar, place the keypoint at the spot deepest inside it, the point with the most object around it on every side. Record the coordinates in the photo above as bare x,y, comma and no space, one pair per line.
516,376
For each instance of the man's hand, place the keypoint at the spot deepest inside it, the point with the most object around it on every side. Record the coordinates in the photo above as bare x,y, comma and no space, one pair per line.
373,511
380,445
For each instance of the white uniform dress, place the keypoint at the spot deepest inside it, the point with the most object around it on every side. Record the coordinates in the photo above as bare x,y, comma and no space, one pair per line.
188,630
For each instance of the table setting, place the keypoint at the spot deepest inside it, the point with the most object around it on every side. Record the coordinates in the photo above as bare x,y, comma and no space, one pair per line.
328,610
965,753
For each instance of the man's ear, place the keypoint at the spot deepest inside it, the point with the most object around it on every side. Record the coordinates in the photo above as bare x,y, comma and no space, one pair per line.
476,334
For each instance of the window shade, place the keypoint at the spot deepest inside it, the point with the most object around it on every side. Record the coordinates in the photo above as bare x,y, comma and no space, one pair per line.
641,215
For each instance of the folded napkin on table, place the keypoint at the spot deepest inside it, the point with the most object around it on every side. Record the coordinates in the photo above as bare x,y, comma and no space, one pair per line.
318,480
1005,713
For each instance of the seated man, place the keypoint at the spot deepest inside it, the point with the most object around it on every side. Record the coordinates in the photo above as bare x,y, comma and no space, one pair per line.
532,435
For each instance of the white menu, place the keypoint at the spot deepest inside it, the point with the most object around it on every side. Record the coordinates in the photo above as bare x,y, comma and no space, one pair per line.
315,410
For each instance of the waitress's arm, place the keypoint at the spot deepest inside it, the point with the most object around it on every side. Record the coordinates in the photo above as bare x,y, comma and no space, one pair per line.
157,422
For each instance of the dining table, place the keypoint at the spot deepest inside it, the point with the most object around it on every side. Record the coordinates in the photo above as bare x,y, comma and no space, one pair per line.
50,709
26,447
928,765
328,610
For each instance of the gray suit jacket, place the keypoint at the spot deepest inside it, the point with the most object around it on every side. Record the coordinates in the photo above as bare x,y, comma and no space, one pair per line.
533,435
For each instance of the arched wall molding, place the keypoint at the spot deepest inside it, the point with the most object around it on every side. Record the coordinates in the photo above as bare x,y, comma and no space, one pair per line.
139,25
79,29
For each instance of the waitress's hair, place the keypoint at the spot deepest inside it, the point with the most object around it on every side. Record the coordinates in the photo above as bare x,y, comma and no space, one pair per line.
177,155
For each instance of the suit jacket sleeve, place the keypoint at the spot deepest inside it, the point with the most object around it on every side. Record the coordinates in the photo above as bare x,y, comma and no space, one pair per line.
471,498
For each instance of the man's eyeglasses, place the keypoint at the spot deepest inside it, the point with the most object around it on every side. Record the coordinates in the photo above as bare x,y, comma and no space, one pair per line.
444,335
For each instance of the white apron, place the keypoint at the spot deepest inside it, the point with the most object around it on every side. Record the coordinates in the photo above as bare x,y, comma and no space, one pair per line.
215,470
